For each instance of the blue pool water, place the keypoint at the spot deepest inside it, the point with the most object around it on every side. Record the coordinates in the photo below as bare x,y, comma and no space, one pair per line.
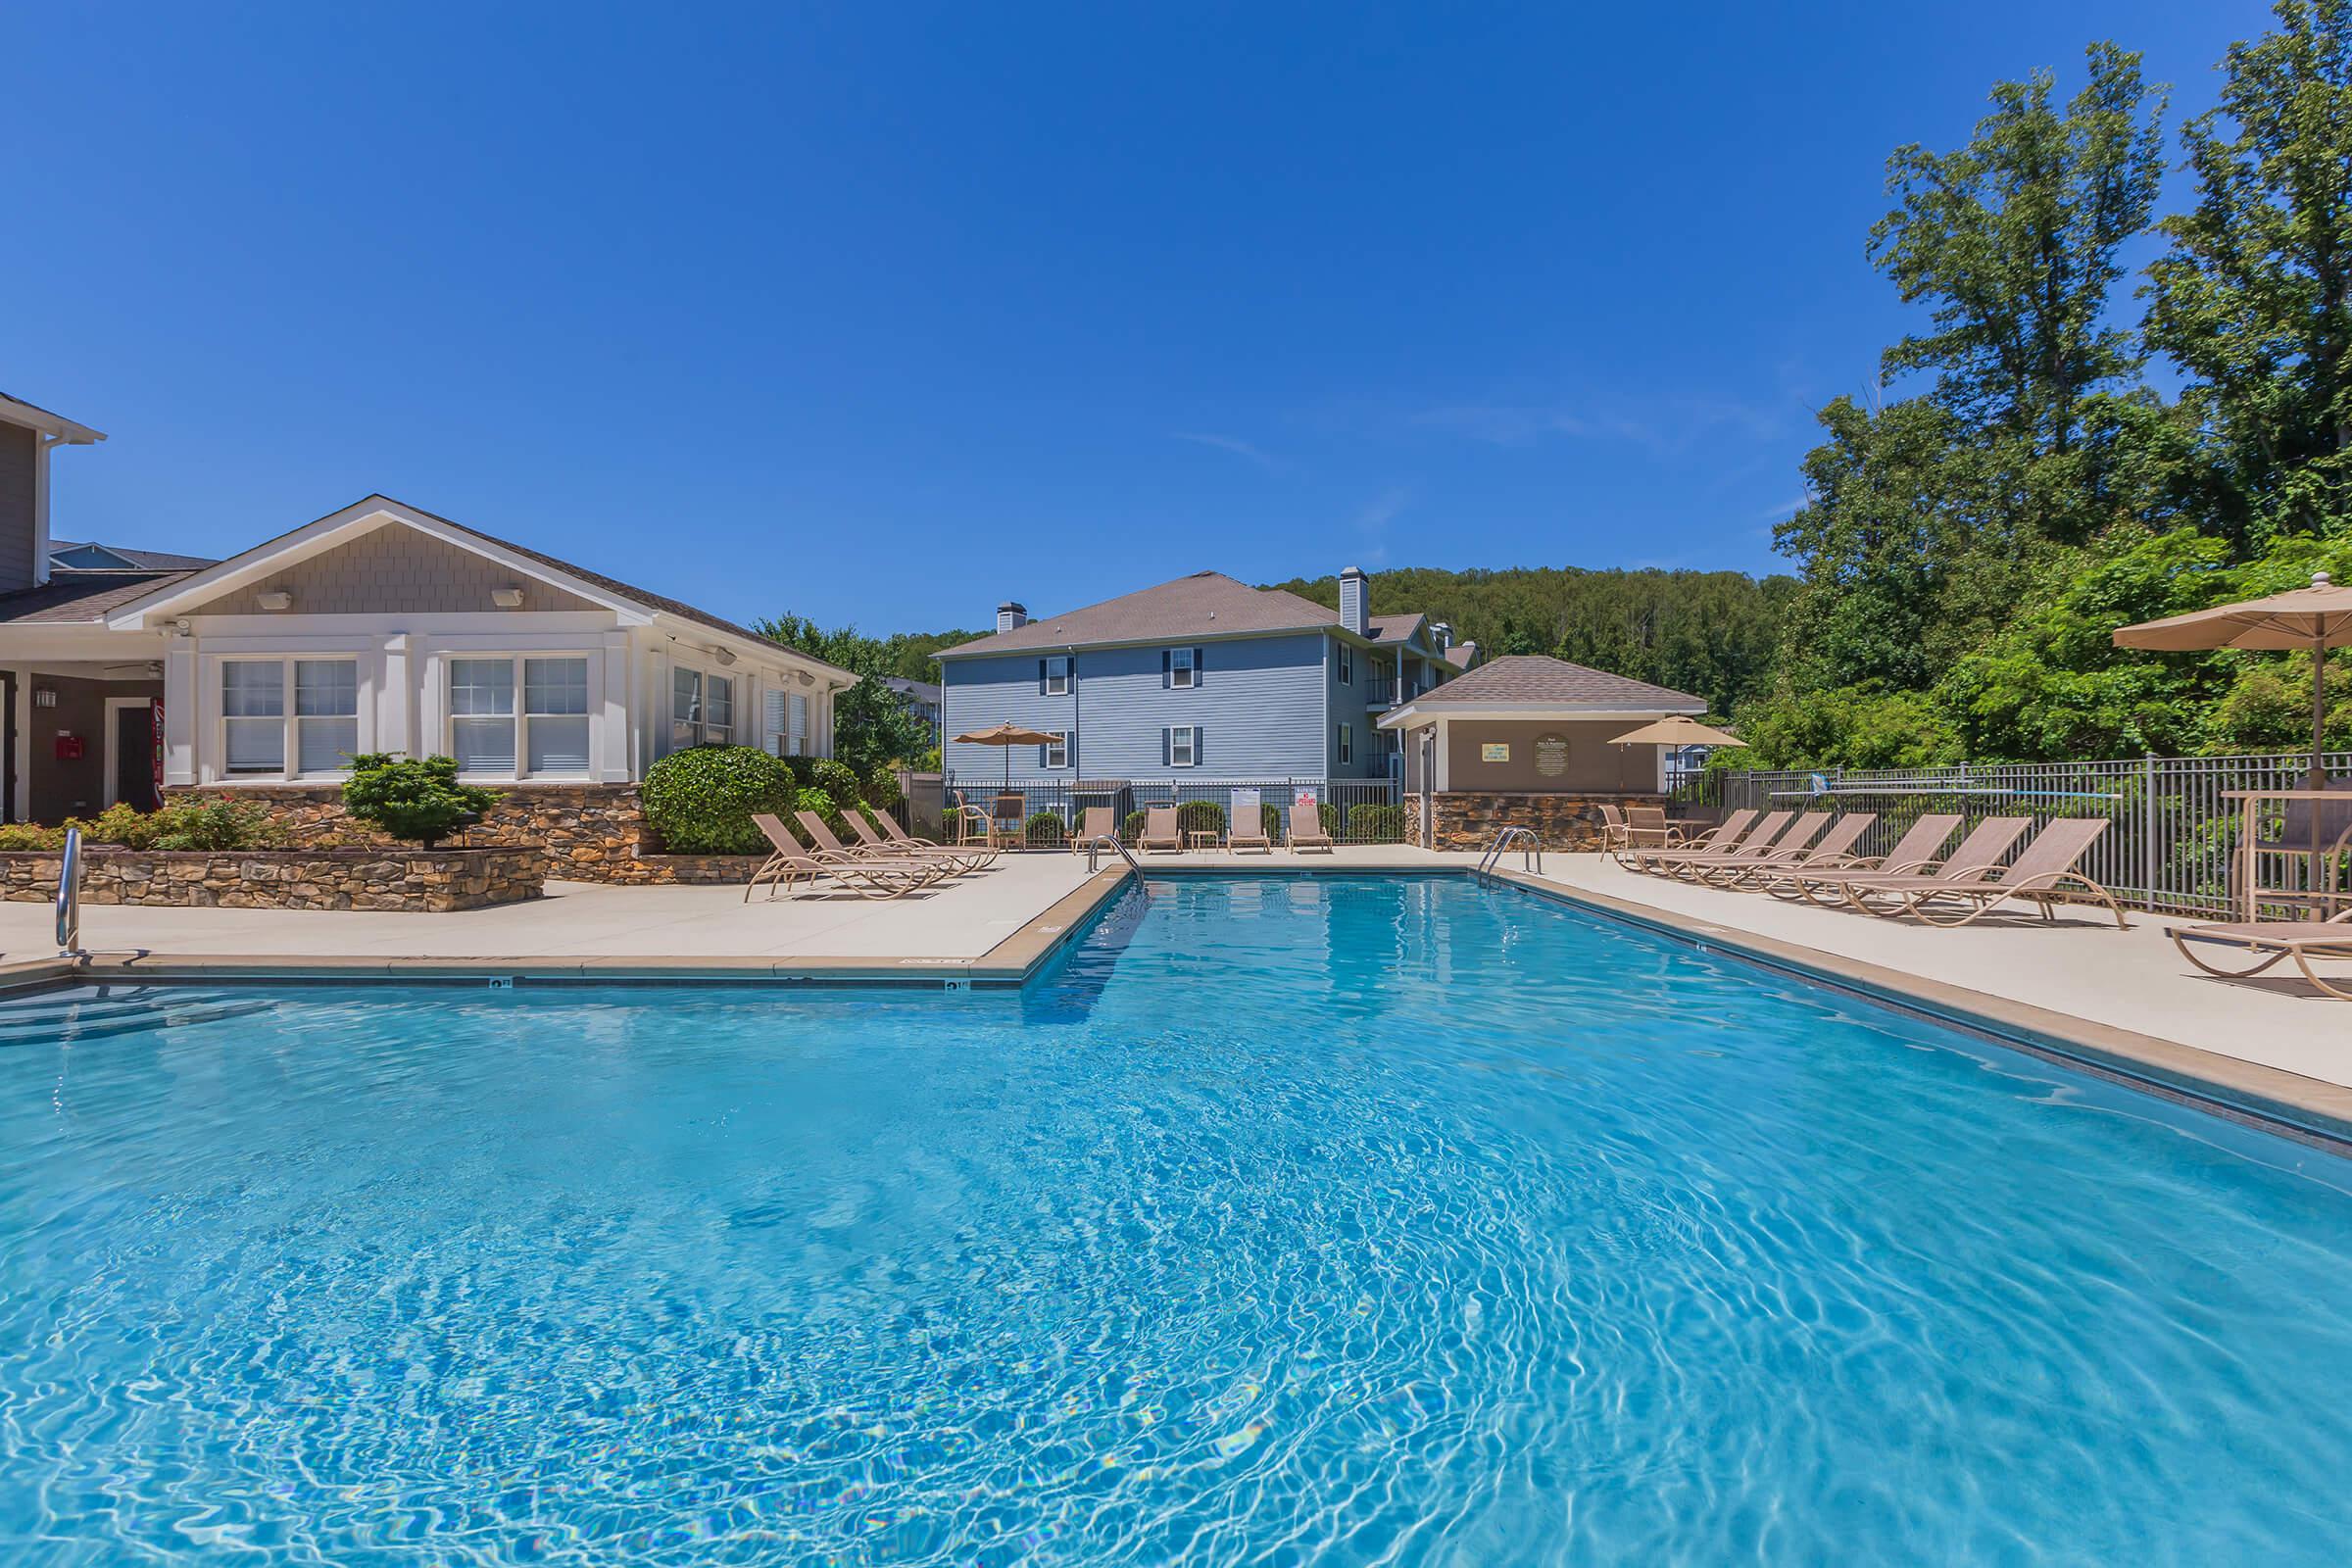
1287,1220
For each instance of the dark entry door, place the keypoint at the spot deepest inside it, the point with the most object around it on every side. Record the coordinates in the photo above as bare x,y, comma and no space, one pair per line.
134,756
8,746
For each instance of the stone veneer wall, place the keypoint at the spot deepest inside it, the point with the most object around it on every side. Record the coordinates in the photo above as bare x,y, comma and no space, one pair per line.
432,881
591,832
1468,821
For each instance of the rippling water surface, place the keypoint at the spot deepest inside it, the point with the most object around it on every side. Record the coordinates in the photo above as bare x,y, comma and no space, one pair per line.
1288,1220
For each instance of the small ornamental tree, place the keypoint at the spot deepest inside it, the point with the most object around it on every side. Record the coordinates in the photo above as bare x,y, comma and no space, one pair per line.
418,802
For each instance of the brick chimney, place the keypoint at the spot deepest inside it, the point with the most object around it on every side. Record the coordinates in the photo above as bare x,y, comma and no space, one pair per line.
1012,616
1355,601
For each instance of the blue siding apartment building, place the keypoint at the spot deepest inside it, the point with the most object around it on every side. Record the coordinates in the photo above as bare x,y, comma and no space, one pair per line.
1200,681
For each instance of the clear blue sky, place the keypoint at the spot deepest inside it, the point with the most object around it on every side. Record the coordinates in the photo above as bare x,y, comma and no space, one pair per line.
878,313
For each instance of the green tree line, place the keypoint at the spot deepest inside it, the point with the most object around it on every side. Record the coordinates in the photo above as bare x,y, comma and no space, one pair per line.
2079,443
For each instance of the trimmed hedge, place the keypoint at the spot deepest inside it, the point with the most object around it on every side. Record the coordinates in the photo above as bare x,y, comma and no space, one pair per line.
700,801
882,787
1376,824
1043,828
837,780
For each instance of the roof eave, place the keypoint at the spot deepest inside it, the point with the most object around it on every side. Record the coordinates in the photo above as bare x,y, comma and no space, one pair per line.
1414,714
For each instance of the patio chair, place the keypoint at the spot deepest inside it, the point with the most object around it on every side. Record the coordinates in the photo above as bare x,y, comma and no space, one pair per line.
1306,829
1160,831
1094,822
1983,849
2292,843
827,845
880,847
980,856
1915,848
2269,941
2041,869
1834,848
1253,836
1761,831
1754,851
1726,833
973,825
790,864
1647,825
1008,819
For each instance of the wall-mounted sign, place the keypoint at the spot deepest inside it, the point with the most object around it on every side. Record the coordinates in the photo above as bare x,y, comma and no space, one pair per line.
1494,751
1552,755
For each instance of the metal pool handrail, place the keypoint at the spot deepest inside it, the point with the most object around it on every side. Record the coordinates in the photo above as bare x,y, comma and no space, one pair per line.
69,898
1095,844
1530,847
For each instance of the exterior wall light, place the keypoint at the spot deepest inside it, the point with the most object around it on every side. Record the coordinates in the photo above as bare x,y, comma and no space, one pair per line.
273,598
506,598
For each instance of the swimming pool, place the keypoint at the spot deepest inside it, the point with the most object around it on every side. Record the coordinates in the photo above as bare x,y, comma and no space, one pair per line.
1284,1219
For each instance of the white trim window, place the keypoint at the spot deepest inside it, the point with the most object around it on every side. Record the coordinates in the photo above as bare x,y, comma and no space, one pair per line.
1058,750
271,709
513,716
1058,675
1346,665
1184,745
701,709
1347,743
1183,672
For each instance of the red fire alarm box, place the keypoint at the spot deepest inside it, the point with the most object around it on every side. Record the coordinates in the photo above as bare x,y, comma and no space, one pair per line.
68,748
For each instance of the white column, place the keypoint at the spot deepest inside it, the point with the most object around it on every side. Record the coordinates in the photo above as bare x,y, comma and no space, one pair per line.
182,712
615,745
655,714
395,702
1445,755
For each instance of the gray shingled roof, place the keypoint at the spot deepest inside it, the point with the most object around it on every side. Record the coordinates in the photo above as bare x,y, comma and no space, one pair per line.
139,559
1536,678
1207,604
72,598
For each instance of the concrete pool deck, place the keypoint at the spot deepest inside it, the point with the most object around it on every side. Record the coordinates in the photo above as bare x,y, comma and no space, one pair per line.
2271,1041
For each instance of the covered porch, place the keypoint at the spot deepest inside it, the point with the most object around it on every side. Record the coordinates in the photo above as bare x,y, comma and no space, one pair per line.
77,736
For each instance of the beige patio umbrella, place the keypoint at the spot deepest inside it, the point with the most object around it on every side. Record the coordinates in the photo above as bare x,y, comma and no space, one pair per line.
2318,617
1007,735
1676,732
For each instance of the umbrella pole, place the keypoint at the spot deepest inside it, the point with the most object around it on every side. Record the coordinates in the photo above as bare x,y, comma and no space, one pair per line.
2317,780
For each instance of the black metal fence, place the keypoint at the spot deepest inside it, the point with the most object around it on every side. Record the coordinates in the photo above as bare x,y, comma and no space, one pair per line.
1048,811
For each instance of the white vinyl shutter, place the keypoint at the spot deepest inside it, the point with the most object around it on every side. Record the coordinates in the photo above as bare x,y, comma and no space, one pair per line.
772,724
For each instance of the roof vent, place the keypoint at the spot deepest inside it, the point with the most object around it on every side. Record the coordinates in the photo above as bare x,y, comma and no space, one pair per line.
1012,616
1444,633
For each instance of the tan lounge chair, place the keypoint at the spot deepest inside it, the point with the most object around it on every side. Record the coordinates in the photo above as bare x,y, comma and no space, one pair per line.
1253,837
1914,849
1160,831
980,856
790,864
1755,852
1094,822
830,848
1723,836
1833,848
880,847
1984,845
1757,839
2271,941
2038,873
1306,829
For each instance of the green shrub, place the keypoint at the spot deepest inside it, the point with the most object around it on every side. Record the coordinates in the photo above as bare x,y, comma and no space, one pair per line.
420,801
1043,828
700,801
882,788
1269,820
31,836
1201,817
1376,824
1131,828
822,805
119,824
803,770
223,825
836,779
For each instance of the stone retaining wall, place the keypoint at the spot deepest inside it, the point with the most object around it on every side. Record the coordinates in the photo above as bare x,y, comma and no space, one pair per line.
591,832
1467,821
430,881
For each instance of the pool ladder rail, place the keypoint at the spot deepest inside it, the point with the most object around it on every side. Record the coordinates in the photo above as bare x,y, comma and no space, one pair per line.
69,898
1531,849
1094,848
